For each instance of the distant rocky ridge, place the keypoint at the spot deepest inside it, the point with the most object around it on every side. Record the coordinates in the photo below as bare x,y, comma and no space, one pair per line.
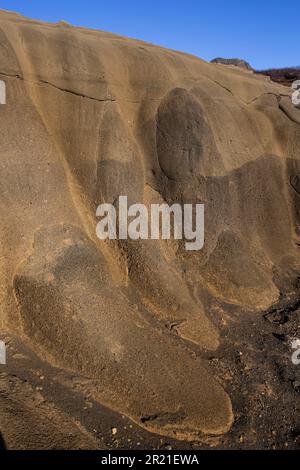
236,62
284,76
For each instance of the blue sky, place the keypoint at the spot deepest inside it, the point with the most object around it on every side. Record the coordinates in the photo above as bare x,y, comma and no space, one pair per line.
264,32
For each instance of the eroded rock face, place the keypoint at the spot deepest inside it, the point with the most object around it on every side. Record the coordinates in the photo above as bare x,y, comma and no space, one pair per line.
104,334
91,116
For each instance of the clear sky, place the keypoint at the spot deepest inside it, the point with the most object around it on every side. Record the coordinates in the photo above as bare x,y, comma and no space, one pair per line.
264,32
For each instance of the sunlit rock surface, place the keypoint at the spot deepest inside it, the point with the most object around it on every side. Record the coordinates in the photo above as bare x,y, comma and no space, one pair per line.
90,116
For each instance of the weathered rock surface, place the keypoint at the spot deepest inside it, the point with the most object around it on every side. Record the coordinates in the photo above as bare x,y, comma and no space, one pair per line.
91,116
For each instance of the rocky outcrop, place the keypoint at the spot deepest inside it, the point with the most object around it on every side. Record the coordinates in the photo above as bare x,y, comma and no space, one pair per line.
90,116
236,62
284,76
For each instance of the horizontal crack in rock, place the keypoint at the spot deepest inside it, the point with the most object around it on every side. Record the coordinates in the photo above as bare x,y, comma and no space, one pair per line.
65,90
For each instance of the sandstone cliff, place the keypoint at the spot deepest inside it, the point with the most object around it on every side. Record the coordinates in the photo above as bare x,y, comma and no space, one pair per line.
90,116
